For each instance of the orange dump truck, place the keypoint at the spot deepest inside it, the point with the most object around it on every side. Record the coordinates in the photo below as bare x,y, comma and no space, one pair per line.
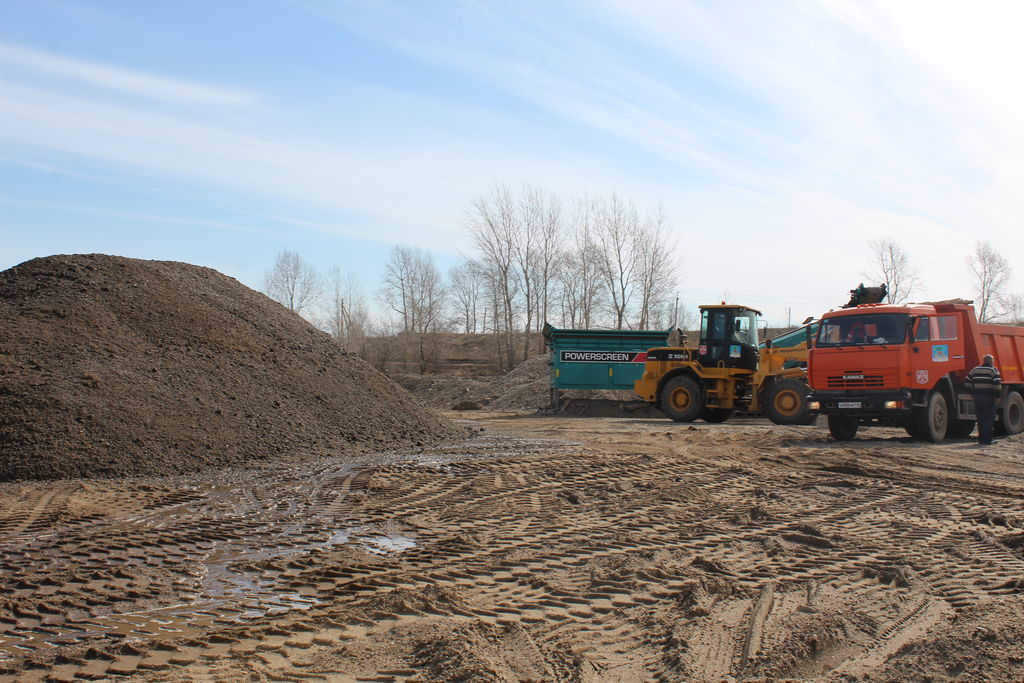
904,365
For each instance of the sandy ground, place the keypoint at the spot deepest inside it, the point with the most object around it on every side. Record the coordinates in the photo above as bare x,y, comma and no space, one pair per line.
544,549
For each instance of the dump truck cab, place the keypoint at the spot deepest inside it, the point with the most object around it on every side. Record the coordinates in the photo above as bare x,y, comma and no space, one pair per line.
904,365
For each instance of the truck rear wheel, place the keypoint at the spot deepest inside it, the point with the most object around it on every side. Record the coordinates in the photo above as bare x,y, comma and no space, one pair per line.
682,399
932,420
786,402
842,427
1011,415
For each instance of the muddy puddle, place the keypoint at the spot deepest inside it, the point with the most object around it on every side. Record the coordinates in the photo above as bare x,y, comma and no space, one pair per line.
225,548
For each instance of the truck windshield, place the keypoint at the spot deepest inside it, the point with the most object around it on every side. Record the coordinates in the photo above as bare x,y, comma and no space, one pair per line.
864,329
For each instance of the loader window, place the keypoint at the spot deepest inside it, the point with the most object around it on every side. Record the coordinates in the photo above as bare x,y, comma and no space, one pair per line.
863,330
717,324
744,328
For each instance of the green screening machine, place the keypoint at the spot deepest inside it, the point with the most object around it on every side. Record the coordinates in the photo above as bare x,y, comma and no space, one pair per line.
598,359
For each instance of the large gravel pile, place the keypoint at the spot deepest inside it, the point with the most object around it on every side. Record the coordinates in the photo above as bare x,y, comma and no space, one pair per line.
112,366
524,388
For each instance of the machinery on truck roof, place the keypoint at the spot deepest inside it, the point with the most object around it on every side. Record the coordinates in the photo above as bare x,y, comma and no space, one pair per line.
905,365
729,370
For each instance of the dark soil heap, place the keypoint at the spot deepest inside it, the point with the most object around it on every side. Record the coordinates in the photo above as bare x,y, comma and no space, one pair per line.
112,366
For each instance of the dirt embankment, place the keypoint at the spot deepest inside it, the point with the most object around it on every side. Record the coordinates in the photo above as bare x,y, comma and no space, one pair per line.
114,366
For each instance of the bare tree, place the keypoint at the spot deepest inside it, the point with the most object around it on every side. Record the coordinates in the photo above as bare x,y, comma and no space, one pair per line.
413,289
396,291
385,330
494,299
581,285
655,270
550,240
588,271
684,315
618,225
525,250
345,314
292,282
610,259
991,271
1015,309
494,226
466,286
891,267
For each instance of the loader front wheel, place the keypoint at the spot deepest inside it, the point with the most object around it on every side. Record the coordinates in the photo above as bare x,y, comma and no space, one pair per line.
786,402
682,399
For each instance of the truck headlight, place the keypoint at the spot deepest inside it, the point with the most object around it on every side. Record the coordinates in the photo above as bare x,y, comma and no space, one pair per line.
893,405
814,405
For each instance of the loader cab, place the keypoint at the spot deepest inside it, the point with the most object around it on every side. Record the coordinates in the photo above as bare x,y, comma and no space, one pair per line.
728,337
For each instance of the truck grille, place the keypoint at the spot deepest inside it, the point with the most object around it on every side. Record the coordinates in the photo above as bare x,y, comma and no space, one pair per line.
855,379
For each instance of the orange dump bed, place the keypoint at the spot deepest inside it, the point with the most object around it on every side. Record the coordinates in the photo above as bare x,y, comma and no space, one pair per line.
1006,344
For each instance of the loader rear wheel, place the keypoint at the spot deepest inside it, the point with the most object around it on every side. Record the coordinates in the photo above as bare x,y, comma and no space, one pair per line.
842,427
682,399
716,414
932,420
786,402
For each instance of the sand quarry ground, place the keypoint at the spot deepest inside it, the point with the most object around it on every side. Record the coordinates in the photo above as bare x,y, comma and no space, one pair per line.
543,549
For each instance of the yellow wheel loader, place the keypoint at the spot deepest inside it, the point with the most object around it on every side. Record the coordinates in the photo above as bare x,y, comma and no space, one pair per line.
730,371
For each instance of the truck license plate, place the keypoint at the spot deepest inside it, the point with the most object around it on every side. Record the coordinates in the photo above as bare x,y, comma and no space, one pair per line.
849,404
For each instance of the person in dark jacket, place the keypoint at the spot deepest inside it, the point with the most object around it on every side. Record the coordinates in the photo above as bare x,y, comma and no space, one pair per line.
984,382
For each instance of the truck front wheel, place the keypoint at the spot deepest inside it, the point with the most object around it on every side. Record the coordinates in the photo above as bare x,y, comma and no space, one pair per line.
842,427
932,420
682,399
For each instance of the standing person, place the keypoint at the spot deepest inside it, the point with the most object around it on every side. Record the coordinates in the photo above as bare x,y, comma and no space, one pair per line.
984,382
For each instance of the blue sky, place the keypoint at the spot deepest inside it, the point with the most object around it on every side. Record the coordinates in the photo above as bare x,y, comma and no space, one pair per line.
781,137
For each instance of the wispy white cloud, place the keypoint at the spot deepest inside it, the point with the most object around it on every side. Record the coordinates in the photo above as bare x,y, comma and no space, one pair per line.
131,216
368,189
804,128
120,79
820,124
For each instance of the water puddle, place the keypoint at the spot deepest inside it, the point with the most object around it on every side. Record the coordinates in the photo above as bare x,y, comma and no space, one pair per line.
241,528
380,544
389,544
